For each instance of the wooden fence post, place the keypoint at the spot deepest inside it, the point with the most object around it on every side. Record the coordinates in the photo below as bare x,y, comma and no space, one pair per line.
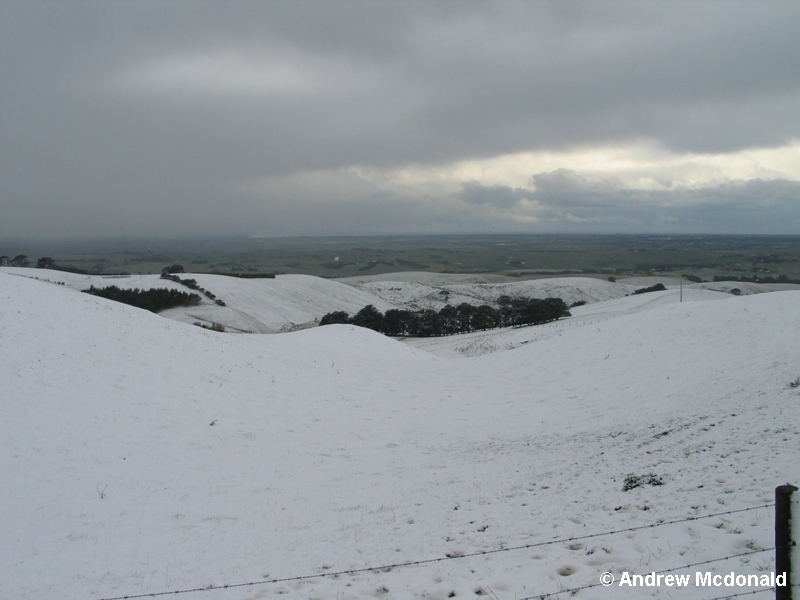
783,539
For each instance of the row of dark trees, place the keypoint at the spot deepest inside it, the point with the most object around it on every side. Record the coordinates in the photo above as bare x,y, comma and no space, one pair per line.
659,287
449,320
155,299
756,279
192,285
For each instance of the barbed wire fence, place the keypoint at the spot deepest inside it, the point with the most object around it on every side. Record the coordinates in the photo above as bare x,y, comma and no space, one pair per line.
450,557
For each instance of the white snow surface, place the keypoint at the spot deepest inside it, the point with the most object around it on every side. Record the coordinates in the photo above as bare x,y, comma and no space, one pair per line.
143,455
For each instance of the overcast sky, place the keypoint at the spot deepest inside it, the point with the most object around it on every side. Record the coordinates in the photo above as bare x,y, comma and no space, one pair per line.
333,117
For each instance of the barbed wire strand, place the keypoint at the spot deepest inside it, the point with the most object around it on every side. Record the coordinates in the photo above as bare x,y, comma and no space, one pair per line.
689,566
747,593
389,567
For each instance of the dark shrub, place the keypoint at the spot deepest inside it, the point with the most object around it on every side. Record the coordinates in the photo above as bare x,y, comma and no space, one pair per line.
659,287
634,481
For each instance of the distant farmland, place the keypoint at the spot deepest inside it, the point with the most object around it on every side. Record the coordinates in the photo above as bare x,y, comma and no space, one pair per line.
703,256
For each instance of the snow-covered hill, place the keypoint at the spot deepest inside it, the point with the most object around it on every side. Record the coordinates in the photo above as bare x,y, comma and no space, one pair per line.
143,455
286,303
423,290
486,342
293,302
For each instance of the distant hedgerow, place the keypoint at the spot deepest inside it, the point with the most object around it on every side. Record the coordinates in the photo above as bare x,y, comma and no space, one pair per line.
155,299
190,283
659,287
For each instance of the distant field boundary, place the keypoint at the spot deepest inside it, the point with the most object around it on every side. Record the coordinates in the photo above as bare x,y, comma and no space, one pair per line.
244,275
509,255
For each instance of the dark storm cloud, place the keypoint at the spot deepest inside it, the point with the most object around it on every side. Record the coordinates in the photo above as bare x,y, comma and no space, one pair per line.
139,117
498,195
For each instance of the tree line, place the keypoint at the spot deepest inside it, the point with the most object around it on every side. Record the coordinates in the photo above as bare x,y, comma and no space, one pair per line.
45,262
756,279
155,299
191,284
464,318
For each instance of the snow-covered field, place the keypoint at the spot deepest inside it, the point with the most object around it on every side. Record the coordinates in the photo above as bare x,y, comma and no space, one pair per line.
143,455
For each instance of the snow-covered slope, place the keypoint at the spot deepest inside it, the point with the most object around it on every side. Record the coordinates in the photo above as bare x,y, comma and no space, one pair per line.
429,278
285,303
292,302
417,296
142,455
486,342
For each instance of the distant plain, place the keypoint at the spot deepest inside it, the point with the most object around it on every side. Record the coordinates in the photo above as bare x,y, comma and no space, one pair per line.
512,256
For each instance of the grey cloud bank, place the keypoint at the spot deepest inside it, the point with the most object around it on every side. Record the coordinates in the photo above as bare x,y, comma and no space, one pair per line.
250,118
